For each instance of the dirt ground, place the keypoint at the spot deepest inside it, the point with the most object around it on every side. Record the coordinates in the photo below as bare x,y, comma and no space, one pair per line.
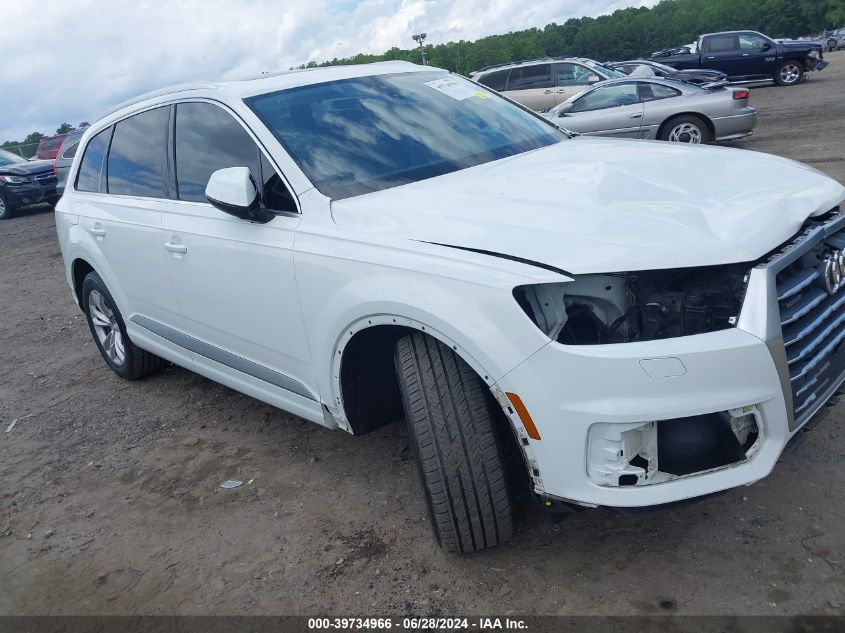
110,500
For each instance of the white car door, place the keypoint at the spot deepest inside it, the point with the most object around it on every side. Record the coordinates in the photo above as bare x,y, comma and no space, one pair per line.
233,279
123,172
607,110
532,86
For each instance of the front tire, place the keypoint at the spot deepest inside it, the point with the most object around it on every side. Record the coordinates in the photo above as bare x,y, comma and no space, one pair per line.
109,332
789,73
6,208
450,422
686,128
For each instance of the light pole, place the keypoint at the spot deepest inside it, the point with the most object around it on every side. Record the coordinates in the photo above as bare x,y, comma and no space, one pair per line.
419,40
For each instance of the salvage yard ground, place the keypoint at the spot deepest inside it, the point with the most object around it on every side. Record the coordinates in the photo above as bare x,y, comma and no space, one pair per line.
110,500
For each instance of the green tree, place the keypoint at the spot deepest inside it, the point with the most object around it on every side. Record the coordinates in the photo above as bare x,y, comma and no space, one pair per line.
64,128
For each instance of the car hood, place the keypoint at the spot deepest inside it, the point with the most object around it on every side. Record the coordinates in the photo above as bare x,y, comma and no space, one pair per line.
29,168
603,205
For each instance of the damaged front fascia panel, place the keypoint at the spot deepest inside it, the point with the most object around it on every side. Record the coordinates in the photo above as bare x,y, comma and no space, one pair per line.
629,454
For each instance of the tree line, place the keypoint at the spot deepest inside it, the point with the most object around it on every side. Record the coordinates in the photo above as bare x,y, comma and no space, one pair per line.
624,34
27,147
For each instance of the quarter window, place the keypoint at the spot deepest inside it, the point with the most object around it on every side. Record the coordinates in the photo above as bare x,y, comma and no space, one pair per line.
654,92
496,80
528,77
607,97
91,168
70,152
138,155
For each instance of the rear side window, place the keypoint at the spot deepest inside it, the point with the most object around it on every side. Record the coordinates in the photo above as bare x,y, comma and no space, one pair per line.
496,80
724,43
91,168
138,155
208,139
527,77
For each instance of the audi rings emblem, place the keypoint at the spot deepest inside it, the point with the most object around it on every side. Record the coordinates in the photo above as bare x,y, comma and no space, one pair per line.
832,270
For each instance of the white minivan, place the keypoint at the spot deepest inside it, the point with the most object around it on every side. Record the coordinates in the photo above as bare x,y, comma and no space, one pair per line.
635,323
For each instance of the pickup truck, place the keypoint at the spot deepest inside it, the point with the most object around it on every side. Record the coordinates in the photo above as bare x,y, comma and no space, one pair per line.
748,56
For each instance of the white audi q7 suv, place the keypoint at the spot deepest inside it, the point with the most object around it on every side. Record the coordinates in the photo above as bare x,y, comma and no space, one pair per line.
633,322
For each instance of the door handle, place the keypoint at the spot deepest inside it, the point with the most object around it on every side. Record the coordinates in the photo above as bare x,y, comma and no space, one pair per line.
636,115
175,247
561,91
97,230
547,92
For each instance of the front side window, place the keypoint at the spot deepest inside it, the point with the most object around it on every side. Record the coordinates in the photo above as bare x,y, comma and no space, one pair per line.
208,139
91,169
138,155
751,42
531,77
573,75
355,136
496,80
607,97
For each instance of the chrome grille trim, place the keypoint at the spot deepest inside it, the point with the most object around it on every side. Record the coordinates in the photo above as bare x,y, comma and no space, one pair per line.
801,324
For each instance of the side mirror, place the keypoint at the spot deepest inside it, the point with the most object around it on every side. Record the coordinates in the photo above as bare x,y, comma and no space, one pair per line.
593,79
564,107
233,191
767,46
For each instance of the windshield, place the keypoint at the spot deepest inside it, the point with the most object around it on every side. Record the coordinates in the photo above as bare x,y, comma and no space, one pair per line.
610,72
7,158
355,136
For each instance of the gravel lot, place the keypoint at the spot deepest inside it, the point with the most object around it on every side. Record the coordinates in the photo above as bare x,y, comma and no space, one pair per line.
109,497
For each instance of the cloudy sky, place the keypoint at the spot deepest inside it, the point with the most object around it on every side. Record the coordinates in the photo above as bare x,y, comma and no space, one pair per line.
69,60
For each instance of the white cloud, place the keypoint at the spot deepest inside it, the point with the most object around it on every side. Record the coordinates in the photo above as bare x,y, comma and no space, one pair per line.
69,60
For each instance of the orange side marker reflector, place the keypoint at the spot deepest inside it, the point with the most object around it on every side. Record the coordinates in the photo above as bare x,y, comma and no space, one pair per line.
523,414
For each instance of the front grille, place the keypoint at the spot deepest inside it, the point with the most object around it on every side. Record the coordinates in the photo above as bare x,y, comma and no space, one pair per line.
811,297
46,179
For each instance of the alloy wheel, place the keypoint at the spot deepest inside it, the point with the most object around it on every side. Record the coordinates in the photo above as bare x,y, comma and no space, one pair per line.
106,328
685,133
790,73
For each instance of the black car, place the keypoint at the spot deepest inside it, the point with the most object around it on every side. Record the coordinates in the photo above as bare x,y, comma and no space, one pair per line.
694,75
24,182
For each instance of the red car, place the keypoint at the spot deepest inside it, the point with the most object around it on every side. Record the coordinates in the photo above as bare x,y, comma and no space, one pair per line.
48,148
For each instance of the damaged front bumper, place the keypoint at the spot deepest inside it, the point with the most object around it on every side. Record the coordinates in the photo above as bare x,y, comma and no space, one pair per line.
816,61
647,423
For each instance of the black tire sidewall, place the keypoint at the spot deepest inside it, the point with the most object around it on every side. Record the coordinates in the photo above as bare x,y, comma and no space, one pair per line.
9,208
127,369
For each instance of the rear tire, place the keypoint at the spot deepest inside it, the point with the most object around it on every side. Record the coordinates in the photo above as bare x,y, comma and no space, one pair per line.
789,73
686,128
109,332
6,208
452,433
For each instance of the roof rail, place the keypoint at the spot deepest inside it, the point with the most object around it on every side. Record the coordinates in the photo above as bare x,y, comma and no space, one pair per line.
528,61
196,85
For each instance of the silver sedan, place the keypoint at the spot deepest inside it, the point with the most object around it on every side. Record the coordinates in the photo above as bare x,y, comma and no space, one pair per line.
653,108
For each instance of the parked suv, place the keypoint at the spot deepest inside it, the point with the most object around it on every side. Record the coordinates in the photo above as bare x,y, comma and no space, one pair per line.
64,158
543,83
362,244
24,182
48,148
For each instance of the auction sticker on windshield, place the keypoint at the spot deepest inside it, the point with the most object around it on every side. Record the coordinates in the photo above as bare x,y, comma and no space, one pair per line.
458,90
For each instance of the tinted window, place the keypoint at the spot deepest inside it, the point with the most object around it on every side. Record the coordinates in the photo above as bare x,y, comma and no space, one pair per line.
660,91
573,75
607,97
496,80
208,139
138,155
70,152
723,44
92,162
354,136
526,77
